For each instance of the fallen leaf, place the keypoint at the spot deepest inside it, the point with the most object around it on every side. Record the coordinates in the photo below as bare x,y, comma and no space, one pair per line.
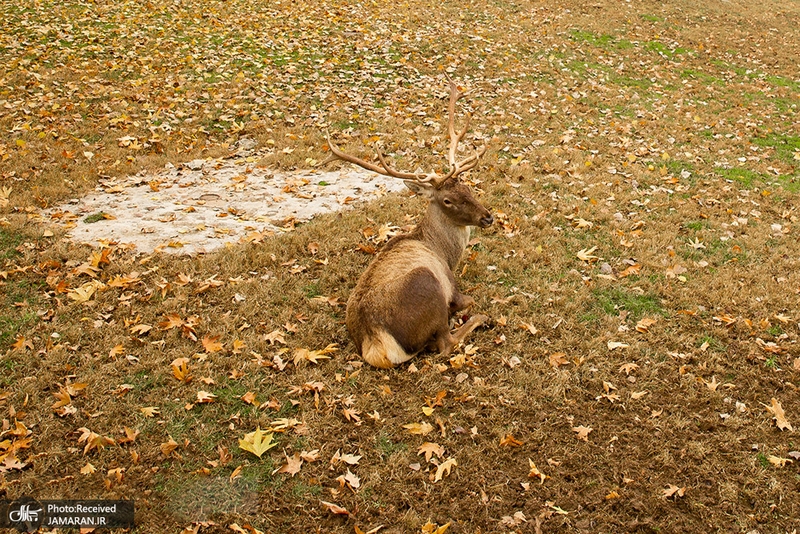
419,428
444,469
779,415
583,432
257,442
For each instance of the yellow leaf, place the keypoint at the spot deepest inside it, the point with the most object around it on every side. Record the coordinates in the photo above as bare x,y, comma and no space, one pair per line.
257,442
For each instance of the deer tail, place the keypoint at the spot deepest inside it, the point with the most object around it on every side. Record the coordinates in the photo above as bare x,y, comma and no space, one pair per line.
382,350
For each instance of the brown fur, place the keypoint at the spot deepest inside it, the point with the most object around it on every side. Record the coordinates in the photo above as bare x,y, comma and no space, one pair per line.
403,301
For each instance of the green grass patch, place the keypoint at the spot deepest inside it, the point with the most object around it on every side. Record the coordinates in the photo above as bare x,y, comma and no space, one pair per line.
613,300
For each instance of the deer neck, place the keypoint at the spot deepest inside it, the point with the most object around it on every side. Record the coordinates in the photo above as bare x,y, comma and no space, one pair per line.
447,239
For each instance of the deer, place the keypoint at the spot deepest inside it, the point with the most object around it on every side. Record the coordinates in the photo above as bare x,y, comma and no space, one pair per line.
403,302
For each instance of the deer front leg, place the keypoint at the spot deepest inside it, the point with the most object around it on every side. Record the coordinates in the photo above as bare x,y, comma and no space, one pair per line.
448,341
460,302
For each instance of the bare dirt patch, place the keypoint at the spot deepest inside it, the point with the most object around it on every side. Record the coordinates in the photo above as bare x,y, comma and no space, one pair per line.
203,205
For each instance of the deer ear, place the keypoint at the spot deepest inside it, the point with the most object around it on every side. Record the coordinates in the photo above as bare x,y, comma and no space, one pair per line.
423,189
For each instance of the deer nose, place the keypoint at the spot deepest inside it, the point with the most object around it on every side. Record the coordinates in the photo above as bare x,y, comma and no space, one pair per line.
487,221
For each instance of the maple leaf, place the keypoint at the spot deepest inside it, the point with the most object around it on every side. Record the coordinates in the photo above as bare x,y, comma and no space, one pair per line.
778,461
350,459
779,415
249,397
583,432
169,447
628,368
335,508
586,255
314,356
431,528
510,441
173,320
275,335
180,369
257,442
674,491
310,456
130,435
557,359
93,440
643,325
535,473
22,343
140,329
429,449
150,411
530,328
292,465
205,397
419,428
88,469
212,344
444,469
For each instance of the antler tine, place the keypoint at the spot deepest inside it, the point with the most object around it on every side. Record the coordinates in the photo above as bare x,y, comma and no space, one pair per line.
383,169
457,168
455,137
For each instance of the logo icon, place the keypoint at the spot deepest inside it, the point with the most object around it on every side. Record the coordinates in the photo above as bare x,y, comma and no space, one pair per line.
26,514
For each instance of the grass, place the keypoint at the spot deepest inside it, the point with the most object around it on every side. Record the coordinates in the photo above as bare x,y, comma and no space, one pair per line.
642,94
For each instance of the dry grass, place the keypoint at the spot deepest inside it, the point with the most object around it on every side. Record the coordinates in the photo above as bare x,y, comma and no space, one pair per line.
693,106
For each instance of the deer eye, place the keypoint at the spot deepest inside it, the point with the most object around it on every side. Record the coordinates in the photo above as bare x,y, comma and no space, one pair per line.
446,202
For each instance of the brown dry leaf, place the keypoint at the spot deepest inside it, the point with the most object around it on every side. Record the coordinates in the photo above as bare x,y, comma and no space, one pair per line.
429,449
535,473
88,469
674,491
93,440
530,328
510,441
632,270
169,447
444,469
130,435
173,320
627,368
778,462
310,456
420,429
583,432
432,528
644,325
249,397
335,508
22,343
116,351
150,411
314,356
779,415
613,345
211,343
205,397
275,336
292,465
557,359
586,255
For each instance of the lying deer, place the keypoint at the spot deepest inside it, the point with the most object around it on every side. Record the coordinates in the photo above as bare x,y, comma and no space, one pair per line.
402,303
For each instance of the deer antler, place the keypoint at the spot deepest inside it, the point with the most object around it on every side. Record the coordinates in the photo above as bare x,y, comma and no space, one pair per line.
456,167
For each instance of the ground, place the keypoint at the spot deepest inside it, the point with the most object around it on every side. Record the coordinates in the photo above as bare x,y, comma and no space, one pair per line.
639,373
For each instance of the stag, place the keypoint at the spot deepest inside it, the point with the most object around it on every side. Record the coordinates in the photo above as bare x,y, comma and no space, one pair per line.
403,302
